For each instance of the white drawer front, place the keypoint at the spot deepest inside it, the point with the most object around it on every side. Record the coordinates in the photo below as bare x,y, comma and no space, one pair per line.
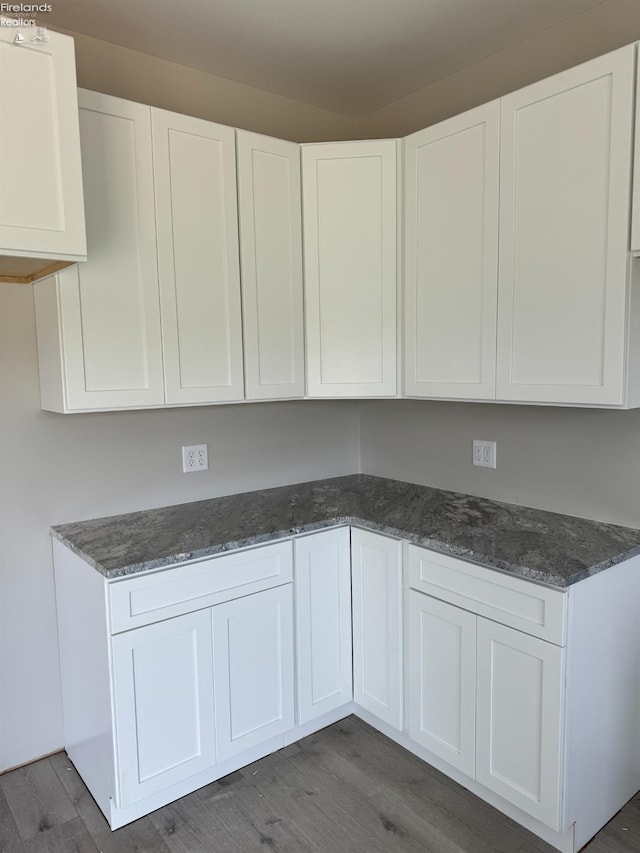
183,588
521,604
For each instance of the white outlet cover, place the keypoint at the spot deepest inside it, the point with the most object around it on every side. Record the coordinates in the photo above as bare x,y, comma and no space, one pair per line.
484,453
195,457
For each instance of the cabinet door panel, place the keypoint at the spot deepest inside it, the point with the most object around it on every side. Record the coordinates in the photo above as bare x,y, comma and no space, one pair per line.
442,674
271,261
519,719
109,306
253,664
163,704
376,572
349,222
41,203
451,256
564,226
196,208
323,622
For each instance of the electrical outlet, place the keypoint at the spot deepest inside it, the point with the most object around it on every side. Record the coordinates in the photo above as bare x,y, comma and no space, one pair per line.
194,458
484,453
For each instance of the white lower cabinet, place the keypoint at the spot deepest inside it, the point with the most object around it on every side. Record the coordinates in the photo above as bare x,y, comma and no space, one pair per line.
523,693
442,680
163,704
520,702
376,588
253,666
323,623
488,698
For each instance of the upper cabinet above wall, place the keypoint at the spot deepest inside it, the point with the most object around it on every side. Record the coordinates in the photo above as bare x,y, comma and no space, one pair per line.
197,223
349,199
41,206
565,180
451,256
271,264
154,318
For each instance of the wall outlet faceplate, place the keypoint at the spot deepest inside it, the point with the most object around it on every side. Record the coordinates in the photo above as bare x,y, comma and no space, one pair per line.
484,453
195,457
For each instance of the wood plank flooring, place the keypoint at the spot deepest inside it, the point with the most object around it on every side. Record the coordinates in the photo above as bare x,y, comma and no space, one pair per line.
346,789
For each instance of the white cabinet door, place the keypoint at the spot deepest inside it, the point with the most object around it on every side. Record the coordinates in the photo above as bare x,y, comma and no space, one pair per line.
253,665
196,209
41,203
376,589
109,318
349,226
442,676
271,264
520,701
323,622
451,256
564,225
163,704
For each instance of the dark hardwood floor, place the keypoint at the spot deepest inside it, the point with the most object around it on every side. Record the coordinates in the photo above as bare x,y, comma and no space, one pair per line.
346,789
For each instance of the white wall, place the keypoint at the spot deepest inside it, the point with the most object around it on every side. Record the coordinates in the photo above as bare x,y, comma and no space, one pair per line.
56,468
583,462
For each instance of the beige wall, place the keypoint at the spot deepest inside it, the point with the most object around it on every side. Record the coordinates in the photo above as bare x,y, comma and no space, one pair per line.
604,27
126,73
583,462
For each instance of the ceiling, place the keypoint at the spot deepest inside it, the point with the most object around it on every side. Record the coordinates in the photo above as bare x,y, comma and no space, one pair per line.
349,56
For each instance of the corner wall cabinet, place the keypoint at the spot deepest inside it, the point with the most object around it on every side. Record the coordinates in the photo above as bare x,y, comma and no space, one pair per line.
175,677
42,224
349,192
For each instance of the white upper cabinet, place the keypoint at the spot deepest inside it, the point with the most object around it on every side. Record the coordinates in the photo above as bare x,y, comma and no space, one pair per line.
42,224
99,339
451,256
271,264
564,230
349,216
197,222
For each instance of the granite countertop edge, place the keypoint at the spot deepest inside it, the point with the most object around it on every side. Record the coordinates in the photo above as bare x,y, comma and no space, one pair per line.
541,576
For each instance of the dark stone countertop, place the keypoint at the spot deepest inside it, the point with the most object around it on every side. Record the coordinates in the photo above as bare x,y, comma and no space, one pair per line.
541,546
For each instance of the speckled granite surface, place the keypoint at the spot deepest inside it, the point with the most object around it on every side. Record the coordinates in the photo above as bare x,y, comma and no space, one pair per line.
542,546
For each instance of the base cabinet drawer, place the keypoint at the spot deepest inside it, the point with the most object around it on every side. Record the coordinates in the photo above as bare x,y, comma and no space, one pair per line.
529,607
